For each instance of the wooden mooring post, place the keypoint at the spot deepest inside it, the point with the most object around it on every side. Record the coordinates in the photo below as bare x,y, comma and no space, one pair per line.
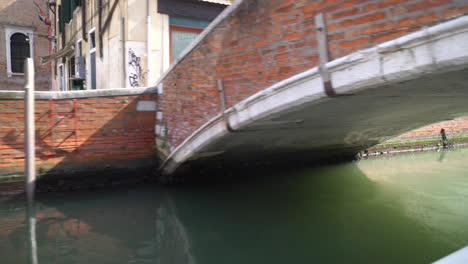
30,155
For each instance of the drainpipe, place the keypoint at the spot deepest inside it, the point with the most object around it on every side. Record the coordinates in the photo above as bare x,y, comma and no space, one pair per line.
148,46
122,43
161,69
100,27
83,20
62,25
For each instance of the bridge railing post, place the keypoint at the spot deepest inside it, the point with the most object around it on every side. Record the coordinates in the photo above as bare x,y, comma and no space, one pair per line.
222,99
323,54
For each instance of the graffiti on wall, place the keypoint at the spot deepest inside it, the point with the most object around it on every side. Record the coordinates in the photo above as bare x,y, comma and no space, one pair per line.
135,74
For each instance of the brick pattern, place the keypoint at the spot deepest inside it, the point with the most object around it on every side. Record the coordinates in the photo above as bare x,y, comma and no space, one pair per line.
264,42
109,130
456,127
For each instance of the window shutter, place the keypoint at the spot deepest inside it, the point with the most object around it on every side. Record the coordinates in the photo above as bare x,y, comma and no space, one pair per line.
72,7
188,22
60,18
67,10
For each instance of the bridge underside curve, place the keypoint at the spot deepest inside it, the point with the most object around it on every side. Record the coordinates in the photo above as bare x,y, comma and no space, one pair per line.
395,87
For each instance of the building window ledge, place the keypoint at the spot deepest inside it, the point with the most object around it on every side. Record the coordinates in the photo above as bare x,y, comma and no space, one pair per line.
11,74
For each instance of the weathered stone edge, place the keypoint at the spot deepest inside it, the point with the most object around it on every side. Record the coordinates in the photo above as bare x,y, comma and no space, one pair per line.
80,94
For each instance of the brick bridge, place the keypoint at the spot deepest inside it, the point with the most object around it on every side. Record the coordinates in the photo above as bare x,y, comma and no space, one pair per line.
394,66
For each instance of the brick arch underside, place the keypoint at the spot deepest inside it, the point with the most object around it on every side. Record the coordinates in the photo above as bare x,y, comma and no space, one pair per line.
392,88
257,43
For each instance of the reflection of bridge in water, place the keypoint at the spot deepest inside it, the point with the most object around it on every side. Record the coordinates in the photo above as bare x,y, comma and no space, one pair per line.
352,213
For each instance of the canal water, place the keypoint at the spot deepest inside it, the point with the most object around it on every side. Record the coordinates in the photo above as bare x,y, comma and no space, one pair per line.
410,208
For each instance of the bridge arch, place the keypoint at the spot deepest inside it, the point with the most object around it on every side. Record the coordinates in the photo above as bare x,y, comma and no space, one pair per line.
280,48
382,92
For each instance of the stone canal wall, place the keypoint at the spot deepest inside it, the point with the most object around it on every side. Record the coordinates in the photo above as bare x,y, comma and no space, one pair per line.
457,128
427,138
77,131
254,44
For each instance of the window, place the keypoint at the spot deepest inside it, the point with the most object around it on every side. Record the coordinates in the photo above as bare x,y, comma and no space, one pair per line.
71,67
74,83
92,58
181,37
182,32
19,49
61,78
79,48
92,41
19,46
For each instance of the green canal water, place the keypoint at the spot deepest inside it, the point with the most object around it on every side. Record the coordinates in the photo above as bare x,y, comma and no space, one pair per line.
410,208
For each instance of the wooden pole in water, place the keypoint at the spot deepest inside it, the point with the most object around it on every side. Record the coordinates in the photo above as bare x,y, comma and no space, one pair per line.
29,150
29,142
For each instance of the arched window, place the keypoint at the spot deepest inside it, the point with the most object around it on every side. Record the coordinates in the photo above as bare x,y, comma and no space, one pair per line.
19,51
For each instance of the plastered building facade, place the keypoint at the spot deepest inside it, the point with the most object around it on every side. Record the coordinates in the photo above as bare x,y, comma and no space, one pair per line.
122,43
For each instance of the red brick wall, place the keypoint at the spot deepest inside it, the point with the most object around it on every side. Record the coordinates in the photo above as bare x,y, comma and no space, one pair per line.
266,41
109,131
456,127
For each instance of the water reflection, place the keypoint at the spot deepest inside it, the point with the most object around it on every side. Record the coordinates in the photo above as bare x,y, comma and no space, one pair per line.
429,191
31,226
172,241
402,209
442,155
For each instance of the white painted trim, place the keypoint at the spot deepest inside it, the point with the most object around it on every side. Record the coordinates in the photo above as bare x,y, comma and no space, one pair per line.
9,31
441,48
88,59
92,30
80,40
223,2
166,45
64,76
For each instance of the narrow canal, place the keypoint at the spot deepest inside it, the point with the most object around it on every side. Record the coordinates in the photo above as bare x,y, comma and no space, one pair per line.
410,208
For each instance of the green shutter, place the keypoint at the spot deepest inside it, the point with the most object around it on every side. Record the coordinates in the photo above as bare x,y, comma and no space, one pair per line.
188,22
60,18
67,14
69,6
72,7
